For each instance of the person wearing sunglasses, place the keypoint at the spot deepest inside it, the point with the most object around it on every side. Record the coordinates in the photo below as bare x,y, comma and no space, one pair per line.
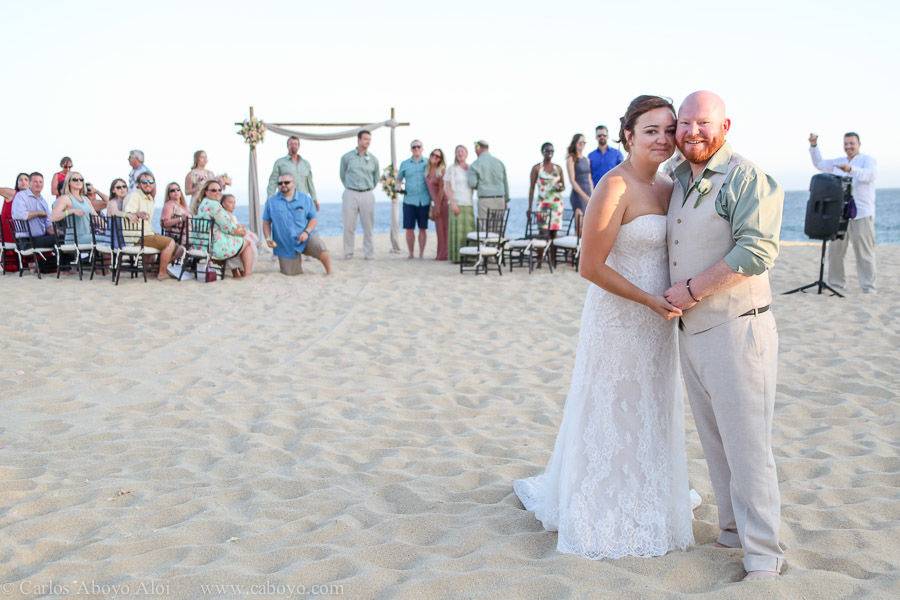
59,177
175,213
118,189
228,243
440,202
73,201
289,220
139,206
416,199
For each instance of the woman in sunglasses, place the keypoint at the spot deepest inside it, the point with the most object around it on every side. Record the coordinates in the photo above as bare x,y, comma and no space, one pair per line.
440,204
118,189
227,237
73,201
175,213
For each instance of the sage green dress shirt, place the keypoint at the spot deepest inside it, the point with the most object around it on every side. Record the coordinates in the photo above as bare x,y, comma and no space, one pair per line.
487,176
359,171
752,202
301,172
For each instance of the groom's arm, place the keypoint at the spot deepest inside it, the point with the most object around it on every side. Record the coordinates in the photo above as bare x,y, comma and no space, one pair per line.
753,205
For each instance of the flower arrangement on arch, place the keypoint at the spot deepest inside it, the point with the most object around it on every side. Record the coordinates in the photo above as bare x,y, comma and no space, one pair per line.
253,131
389,182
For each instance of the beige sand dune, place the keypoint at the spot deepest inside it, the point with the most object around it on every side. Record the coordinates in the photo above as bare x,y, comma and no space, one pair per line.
362,431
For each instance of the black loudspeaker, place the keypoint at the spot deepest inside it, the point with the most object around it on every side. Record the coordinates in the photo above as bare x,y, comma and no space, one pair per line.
825,208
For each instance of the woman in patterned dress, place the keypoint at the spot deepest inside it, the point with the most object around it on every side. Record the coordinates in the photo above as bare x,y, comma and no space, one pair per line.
547,176
227,238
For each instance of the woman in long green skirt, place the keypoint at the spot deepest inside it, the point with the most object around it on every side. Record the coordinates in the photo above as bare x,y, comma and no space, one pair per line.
462,217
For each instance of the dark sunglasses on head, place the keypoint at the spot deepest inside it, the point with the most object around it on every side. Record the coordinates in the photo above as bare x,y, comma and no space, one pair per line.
148,181
77,179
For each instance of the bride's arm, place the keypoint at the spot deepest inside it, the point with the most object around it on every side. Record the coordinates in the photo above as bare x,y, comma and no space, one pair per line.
602,222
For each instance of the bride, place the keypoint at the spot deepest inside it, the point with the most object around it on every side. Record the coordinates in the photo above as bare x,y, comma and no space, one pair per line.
616,484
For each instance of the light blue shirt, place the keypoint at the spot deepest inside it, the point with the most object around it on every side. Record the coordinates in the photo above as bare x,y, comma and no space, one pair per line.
25,202
412,171
289,217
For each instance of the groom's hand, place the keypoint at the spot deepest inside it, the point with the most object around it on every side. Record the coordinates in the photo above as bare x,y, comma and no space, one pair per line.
678,295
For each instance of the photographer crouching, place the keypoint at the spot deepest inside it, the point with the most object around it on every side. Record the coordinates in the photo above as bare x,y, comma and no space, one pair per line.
861,228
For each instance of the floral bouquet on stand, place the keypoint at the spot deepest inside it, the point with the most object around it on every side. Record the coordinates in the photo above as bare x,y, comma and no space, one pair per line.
253,131
389,182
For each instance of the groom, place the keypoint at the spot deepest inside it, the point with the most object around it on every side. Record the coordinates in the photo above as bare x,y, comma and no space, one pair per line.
723,227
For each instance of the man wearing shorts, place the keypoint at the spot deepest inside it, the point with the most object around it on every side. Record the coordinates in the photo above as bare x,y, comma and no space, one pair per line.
289,219
416,200
139,206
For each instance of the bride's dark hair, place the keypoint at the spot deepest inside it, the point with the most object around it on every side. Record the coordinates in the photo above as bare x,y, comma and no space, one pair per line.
640,105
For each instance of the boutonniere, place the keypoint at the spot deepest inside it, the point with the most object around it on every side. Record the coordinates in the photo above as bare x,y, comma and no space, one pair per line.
703,186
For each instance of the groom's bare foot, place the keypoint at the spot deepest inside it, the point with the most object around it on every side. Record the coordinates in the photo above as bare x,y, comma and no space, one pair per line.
760,576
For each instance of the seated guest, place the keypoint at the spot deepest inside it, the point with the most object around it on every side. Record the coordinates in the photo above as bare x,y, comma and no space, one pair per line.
228,203
227,238
289,219
10,262
73,202
29,205
118,189
98,199
139,207
175,214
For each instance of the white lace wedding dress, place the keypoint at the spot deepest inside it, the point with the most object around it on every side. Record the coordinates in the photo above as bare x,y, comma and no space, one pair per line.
616,484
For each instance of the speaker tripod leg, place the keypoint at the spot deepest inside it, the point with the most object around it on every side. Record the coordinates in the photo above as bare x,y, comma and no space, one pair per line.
820,284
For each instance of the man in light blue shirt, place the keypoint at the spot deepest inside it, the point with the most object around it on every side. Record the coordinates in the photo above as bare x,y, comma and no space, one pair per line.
416,200
603,158
289,219
359,174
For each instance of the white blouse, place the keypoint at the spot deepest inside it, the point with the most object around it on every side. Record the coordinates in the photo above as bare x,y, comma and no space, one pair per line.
457,177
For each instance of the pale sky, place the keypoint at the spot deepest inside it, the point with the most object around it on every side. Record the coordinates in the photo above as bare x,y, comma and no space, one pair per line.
94,79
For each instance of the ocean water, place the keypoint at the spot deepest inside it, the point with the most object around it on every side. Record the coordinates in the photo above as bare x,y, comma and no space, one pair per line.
887,217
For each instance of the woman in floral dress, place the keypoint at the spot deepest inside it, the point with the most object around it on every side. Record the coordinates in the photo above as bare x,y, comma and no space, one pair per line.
547,177
227,237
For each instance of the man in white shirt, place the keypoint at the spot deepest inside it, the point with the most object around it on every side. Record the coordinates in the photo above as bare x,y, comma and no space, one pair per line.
861,230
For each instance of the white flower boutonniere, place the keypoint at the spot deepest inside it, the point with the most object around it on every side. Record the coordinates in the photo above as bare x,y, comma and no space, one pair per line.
703,187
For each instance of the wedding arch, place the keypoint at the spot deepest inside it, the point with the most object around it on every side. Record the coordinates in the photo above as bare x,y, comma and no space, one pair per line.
253,131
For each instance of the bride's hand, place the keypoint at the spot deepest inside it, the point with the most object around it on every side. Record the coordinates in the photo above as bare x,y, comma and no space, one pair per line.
661,306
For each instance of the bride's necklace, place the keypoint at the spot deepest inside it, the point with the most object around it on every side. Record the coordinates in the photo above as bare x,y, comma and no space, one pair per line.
641,179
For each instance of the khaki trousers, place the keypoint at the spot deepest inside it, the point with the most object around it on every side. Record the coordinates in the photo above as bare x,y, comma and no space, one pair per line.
395,225
489,203
861,233
360,204
730,373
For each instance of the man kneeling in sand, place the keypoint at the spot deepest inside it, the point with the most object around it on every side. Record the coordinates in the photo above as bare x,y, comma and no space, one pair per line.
288,223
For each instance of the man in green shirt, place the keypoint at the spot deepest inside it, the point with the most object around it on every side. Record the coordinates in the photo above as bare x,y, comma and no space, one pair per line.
295,166
359,174
487,176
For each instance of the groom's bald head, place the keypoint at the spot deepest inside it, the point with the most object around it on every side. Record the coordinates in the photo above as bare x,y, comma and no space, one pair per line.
702,126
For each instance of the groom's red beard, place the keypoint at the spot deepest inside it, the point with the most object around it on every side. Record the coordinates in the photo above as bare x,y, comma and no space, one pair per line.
700,153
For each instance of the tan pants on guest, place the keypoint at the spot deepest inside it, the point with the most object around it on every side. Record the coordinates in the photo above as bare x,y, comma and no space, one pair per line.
484,204
360,204
395,225
860,233
730,373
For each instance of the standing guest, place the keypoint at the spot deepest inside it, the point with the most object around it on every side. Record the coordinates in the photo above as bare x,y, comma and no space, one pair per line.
118,189
461,217
175,212
98,199
10,262
487,176
138,206
578,167
229,203
298,167
359,174
198,175
440,201
29,205
138,168
228,241
861,229
603,158
289,219
548,177
416,200
59,177
73,201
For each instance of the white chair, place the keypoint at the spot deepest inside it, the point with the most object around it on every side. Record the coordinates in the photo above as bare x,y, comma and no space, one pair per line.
27,247
479,255
534,245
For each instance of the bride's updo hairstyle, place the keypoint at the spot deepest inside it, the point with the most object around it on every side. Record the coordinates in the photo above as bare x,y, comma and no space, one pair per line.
639,106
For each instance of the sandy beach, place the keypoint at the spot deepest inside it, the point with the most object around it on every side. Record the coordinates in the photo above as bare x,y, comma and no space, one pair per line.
361,433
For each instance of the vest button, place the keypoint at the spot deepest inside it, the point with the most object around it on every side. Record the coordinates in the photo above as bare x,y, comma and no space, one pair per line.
676,242
678,221
674,263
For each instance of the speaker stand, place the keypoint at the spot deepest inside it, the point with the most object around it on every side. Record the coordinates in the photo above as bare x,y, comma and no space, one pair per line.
821,282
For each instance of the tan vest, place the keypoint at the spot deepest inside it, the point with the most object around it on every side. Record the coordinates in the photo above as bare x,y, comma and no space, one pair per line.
698,238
